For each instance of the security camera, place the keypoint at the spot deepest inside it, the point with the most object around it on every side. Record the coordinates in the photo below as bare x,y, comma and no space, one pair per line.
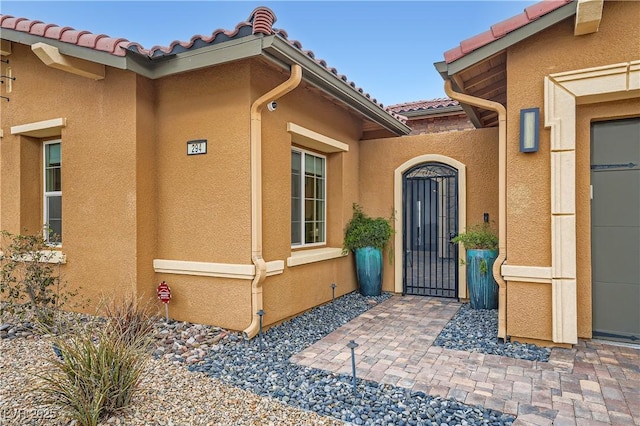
271,106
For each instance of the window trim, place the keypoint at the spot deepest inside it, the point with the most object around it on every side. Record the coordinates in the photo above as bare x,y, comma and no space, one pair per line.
45,193
302,244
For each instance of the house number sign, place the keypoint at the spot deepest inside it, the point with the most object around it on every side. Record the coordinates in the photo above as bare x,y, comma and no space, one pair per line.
196,147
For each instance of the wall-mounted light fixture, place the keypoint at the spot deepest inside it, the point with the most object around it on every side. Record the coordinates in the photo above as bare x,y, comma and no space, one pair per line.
529,129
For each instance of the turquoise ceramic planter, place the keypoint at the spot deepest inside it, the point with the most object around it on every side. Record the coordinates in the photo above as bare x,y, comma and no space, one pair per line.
483,289
369,270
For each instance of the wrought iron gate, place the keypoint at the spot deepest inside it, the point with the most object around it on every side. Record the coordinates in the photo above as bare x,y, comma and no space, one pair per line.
430,200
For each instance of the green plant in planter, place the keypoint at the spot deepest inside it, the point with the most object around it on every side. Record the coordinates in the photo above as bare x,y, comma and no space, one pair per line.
366,237
478,237
365,231
481,244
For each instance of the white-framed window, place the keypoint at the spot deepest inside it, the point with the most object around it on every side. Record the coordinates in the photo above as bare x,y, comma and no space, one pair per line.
308,198
52,202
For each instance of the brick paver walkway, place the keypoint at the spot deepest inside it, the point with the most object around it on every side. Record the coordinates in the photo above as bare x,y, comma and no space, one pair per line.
590,384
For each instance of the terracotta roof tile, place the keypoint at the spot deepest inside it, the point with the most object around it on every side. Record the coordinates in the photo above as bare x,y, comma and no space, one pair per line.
90,40
431,104
41,28
65,34
260,21
475,42
25,25
55,31
503,28
72,36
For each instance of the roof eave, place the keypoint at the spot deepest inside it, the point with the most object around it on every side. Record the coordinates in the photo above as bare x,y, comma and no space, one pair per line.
190,60
271,47
69,49
284,54
510,39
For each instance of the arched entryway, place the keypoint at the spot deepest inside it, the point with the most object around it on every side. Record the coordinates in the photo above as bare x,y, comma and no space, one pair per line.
430,209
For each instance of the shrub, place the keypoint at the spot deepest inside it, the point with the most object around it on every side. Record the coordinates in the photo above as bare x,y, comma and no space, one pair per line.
99,367
479,236
364,231
29,282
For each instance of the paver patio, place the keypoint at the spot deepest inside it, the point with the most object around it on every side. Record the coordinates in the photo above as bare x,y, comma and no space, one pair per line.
591,384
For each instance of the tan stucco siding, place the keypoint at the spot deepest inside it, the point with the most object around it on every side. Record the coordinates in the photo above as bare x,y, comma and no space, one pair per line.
528,175
203,204
98,173
146,182
204,213
528,310
206,300
476,149
304,286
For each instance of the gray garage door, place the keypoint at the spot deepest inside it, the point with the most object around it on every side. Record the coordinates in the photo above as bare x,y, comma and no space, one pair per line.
615,229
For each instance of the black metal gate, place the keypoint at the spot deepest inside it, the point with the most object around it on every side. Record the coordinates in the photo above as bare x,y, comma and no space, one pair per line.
430,200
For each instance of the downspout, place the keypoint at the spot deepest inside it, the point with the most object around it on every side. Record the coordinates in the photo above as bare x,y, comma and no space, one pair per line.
502,196
256,193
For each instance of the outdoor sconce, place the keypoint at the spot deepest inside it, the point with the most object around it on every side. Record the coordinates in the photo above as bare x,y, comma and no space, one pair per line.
529,129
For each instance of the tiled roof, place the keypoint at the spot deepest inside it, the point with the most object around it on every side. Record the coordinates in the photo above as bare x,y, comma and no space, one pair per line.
260,21
432,104
503,28
101,42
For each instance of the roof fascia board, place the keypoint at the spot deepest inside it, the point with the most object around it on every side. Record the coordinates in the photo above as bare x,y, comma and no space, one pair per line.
512,38
65,48
203,57
325,80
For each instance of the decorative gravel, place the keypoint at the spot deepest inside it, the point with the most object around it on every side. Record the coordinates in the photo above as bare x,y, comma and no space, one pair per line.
169,395
268,372
474,330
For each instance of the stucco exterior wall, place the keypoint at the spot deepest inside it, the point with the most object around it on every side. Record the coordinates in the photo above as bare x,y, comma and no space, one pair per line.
303,286
98,171
146,181
203,207
528,175
204,214
476,149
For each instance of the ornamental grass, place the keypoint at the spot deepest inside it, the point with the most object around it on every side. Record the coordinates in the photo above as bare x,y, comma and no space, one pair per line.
96,371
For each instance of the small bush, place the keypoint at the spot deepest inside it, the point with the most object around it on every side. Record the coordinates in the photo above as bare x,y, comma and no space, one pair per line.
30,283
365,231
99,367
478,236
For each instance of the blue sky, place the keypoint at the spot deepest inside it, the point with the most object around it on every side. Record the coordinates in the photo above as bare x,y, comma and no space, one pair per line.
386,47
